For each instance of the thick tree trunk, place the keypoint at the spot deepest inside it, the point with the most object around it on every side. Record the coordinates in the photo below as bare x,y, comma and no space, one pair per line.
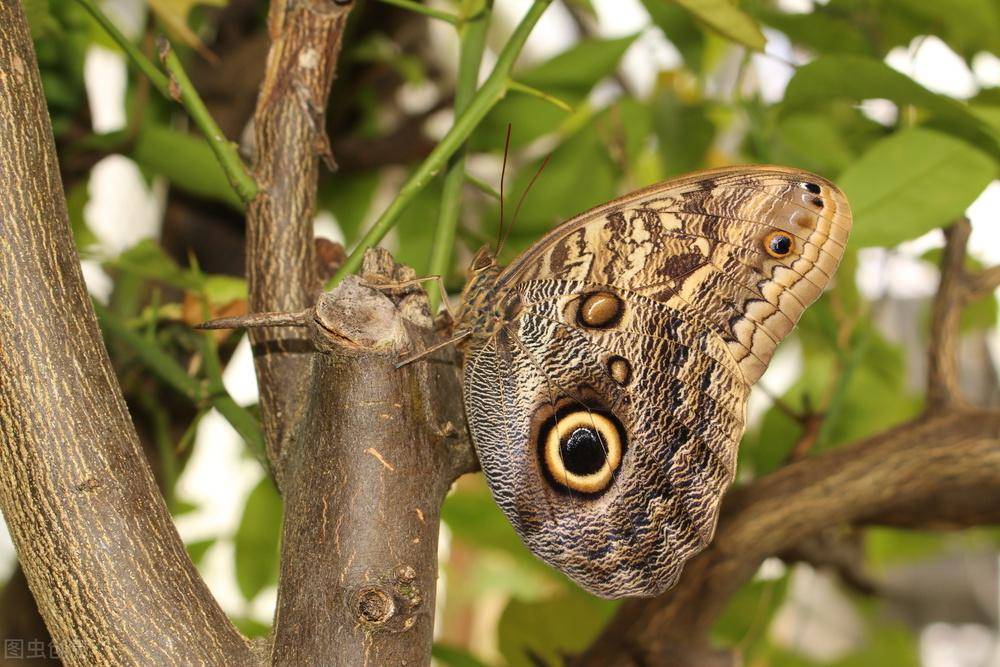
95,539
365,476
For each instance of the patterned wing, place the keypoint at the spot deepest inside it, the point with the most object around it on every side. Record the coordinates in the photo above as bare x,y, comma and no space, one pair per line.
607,394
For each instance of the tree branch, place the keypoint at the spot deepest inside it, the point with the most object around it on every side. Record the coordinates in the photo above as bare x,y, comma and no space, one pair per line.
366,473
983,282
489,94
943,389
99,550
943,469
289,139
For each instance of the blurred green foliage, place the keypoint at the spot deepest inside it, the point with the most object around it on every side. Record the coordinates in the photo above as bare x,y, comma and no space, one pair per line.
904,177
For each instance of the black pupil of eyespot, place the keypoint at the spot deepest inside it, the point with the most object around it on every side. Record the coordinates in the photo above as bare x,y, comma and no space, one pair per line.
583,452
781,244
813,188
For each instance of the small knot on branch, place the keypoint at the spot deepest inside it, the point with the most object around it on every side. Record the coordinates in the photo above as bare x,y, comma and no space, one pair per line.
391,605
374,606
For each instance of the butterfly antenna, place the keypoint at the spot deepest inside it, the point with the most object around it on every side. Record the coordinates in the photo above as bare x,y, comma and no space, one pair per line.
503,173
517,209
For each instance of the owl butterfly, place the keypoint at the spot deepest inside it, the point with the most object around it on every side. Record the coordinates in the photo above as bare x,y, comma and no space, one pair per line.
607,369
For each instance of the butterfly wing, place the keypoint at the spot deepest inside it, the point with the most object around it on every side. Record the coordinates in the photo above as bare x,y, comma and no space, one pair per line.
608,398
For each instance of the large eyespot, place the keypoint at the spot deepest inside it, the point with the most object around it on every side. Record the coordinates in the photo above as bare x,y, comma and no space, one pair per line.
599,310
581,451
778,244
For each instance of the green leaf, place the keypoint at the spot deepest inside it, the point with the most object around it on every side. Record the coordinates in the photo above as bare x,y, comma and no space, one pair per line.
580,175
221,290
569,76
197,549
474,518
684,131
812,141
578,68
348,196
748,613
968,26
251,627
40,20
817,30
76,200
148,260
726,18
541,633
912,182
186,161
416,226
256,540
680,28
885,547
454,657
859,78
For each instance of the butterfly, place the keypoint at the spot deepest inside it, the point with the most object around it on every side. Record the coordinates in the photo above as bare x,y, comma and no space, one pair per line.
607,368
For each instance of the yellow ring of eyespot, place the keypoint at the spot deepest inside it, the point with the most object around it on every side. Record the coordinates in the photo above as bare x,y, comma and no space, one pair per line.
770,237
608,433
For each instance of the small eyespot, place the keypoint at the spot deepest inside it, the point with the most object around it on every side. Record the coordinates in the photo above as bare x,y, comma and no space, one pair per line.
817,202
582,451
620,370
812,187
600,310
778,244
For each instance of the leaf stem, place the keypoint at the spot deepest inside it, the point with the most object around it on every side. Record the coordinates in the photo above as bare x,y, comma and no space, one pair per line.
183,90
178,87
472,45
491,92
540,94
426,11
138,58
168,370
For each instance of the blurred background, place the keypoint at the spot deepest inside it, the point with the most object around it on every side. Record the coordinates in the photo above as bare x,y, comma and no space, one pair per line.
895,100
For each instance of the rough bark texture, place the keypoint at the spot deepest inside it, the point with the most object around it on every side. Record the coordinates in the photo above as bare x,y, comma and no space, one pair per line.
21,623
365,478
100,553
289,138
943,388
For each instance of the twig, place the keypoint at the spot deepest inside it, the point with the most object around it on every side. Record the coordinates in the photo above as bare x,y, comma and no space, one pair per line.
491,92
136,57
182,90
482,186
841,551
542,95
473,43
943,387
980,284
178,87
168,370
288,138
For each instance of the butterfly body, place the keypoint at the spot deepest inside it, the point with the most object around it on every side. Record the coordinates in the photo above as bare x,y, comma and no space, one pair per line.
608,367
